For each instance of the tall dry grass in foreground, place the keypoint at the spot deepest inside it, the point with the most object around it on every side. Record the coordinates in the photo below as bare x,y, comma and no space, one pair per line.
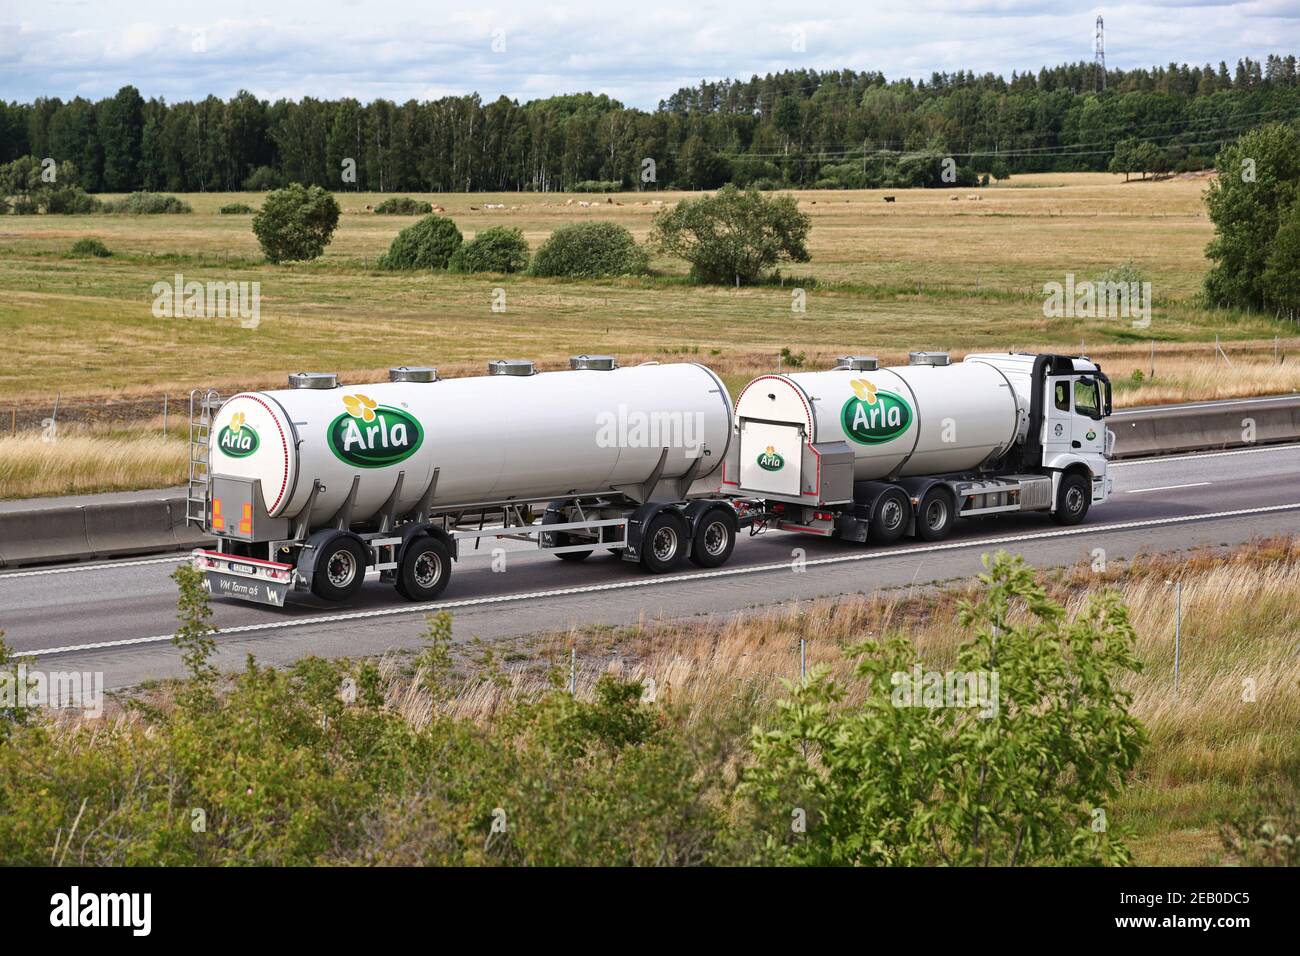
1233,722
83,463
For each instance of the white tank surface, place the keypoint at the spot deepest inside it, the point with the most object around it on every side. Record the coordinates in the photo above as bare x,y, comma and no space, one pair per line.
493,439
926,418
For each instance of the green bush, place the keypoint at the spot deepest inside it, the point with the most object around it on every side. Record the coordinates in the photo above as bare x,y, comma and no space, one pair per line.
90,246
734,235
263,179
599,186
429,244
296,222
146,203
236,209
497,249
590,250
70,201
404,206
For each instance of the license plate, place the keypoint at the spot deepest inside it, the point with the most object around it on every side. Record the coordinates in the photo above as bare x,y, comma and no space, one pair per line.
245,589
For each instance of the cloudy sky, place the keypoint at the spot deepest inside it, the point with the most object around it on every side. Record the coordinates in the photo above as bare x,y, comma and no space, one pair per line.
637,51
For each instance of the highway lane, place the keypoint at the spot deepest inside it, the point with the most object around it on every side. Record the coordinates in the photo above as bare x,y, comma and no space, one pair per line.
1159,505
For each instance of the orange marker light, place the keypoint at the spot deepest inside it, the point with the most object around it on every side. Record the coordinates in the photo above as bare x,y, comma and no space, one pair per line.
246,522
218,522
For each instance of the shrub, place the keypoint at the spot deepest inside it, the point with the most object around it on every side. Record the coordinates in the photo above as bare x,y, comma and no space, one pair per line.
296,222
1281,279
429,244
590,250
263,179
71,201
236,209
404,206
733,235
498,249
90,246
1258,182
147,203
599,186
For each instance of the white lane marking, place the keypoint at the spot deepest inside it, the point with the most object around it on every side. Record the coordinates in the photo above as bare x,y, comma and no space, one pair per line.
1148,409
69,568
1198,456
1190,484
671,579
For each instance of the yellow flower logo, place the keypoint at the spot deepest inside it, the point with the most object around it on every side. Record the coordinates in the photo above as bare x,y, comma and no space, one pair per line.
771,450
864,390
236,422
360,406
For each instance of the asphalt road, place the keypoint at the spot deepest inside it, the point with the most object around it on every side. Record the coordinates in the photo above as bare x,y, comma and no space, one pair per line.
117,617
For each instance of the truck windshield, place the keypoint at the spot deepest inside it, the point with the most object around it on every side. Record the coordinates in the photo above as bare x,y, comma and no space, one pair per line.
1086,399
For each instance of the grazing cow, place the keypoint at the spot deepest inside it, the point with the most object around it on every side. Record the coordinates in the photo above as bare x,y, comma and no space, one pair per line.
889,199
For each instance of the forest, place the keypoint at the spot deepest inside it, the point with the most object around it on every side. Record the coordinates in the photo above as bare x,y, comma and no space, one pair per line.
806,128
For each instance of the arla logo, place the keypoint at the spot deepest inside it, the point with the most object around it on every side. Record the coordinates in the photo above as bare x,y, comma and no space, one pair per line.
1091,434
770,460
370,435
237,440
874,416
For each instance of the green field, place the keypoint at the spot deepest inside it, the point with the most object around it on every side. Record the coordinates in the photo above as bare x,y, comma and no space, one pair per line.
951,269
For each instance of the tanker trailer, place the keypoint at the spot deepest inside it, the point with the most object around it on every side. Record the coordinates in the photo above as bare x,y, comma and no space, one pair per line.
309,487
862,452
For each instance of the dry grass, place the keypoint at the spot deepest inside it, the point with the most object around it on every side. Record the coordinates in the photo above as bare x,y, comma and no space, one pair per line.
1211,745
88,464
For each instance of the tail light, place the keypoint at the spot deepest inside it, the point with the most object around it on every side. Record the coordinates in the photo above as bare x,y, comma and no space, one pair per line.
218,522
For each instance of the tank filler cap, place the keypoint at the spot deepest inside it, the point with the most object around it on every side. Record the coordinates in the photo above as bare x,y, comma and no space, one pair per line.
511,367
599,363
413,373
927,358
858,363
314,380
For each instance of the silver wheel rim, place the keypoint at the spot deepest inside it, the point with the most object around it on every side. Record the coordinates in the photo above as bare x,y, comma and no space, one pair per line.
891,514
715,539
936,514
1074,500
664,544
427,570
342,569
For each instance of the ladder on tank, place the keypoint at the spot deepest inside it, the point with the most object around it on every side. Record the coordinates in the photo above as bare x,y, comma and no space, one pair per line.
204,404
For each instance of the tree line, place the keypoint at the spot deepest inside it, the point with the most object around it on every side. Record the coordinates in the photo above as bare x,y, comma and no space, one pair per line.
806,128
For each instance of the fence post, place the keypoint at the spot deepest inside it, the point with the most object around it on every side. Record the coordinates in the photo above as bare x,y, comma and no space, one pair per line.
573,672
803,661
1178,629
164,415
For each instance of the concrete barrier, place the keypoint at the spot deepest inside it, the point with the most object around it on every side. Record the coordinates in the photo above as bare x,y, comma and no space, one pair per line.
1205,426
49,534
130,527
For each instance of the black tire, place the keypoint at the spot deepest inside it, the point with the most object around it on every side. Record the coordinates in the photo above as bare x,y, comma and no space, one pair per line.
664,542
561,539
340,570
935,515
425,569
889,517
1073,497
714,538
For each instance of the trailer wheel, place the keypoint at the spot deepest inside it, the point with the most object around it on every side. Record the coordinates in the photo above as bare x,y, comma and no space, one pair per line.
714,539
340,570
664,542
935,515
560,539
425,569
889,517
1072,499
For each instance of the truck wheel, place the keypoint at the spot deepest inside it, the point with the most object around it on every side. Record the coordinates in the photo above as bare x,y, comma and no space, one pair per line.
889,517
1073,497
664,542
425,569
935,515
561,539
715,538
340,570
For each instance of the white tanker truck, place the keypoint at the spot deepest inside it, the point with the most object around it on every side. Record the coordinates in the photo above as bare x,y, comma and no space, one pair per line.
308,487
867,453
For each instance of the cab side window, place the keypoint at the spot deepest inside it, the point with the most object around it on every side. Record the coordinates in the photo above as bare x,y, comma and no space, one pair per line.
1063,396
1086,400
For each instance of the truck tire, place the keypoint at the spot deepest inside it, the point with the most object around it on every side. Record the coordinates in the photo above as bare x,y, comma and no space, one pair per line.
561,539
935,514
664,542
425,569
340,570
714,538
1073,496
889,517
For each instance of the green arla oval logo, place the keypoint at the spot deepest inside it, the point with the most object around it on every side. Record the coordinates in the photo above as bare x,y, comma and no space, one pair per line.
369,435
770,460
237,440
873,416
